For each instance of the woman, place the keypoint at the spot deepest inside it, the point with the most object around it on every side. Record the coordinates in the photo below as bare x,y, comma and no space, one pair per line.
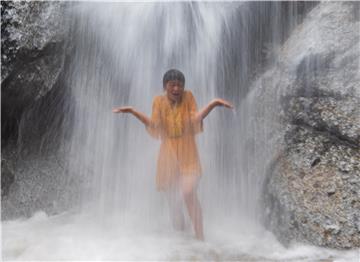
175,120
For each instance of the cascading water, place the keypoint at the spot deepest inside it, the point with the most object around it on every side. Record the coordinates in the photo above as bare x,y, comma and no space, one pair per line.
121,51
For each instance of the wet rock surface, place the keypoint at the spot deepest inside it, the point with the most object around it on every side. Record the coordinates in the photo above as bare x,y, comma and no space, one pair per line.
33,94
7,176
40,184
311,193
33,54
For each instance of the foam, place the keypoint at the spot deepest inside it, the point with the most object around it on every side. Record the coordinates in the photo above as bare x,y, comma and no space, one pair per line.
72,236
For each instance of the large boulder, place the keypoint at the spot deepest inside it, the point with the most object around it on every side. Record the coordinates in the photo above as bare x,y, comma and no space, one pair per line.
35,50
32,47
312,97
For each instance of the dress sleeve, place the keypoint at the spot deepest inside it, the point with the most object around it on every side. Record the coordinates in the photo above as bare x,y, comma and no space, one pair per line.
154,128
197,126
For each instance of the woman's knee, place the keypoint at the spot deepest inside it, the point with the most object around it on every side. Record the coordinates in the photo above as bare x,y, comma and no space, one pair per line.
188,186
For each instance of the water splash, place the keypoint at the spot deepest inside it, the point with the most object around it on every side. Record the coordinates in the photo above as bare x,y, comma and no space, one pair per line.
121,52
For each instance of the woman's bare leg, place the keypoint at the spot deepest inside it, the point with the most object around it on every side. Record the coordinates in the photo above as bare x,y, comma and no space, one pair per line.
175,207
188,185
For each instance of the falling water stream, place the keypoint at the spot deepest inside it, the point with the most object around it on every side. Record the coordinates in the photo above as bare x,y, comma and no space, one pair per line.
121,53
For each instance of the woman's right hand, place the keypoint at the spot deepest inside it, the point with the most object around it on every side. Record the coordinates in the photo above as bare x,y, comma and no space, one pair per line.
123,109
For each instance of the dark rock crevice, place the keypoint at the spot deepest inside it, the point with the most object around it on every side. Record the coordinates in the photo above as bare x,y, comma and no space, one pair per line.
29,80
322,129
32,57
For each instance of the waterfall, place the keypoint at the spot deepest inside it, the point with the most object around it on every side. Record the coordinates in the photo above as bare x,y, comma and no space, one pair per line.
120,53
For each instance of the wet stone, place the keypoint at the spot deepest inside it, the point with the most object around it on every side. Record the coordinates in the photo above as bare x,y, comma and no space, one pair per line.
320,116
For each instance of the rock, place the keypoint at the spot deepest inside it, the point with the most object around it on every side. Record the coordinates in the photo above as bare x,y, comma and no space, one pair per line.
7,177
33,56
334,229
40,184
29,26
311,189
35,50
315,197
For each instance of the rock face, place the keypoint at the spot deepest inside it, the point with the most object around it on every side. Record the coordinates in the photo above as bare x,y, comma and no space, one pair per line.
32,58
33,94
312,189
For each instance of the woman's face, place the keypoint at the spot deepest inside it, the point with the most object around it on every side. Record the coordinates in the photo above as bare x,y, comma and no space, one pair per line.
174,90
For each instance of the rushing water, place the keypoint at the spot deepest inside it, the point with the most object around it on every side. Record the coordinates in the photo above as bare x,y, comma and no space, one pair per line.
80,237
121,53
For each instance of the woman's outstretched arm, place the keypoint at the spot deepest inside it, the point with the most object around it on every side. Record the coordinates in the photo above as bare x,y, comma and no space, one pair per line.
207,109
128,109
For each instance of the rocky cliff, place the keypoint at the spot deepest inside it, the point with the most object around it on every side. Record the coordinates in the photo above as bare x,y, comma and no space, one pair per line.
33,97
312,189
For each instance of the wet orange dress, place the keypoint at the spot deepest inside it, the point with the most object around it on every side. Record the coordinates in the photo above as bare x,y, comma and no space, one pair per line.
176,127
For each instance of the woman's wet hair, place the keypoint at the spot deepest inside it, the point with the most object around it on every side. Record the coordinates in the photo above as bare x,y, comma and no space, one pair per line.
172,75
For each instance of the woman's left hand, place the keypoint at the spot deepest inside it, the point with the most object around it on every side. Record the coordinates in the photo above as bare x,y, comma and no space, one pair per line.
222,102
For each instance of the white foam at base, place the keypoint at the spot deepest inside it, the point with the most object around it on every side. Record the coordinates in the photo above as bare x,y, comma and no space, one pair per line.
72,236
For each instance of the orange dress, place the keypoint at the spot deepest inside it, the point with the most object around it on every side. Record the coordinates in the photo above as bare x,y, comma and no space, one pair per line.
176,127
